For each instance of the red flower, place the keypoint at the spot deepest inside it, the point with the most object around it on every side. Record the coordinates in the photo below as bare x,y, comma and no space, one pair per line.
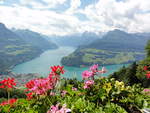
30,84
29,96
2,86
57,70
7,83
145,68
148,74
9,102
12,101
4,103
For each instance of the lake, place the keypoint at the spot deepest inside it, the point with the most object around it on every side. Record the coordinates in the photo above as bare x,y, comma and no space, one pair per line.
49,58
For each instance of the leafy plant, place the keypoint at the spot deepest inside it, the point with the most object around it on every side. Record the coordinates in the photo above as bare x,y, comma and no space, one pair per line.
101,95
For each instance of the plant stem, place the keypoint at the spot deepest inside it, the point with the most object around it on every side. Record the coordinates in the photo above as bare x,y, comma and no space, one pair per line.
8,95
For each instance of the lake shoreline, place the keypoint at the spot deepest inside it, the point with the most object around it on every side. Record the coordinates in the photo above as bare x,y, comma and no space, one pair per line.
10,69
103,65
41,64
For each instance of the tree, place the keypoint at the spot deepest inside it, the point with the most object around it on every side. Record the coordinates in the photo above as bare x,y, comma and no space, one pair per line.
147,48
135,73
146,62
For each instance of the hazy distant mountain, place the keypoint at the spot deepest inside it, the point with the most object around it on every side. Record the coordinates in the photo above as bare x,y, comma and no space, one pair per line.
76,39
142,34
115,47
15,49
35,39
117,40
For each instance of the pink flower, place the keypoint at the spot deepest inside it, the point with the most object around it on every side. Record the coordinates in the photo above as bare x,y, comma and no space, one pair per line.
88,84
146,90
53,109
74,89
63,93
86,74
85,87
42,85
57,109
94,68
93,71
39,86
52,94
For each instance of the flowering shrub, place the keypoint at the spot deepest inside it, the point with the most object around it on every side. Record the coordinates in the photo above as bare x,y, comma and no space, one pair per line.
101,95
41,86
8,84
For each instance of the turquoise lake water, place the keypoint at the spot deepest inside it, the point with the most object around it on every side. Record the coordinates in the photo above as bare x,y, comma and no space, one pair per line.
49,58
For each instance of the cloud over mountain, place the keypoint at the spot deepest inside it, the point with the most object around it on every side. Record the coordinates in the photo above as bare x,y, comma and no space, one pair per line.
61,17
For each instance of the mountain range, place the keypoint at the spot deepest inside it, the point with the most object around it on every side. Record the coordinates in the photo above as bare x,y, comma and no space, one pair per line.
35,39
19,46
77,39
115,47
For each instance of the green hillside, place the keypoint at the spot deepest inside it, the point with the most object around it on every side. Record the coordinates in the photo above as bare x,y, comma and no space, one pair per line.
135,73
15,49
116,47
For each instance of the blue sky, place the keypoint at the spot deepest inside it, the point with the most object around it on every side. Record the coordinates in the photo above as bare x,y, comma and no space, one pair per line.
63,17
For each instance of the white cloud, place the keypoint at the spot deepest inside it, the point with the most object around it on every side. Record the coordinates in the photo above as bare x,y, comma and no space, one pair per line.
33,3
123,15
129,15
54,3
74,4
141,23
38,5
25,2
43,21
